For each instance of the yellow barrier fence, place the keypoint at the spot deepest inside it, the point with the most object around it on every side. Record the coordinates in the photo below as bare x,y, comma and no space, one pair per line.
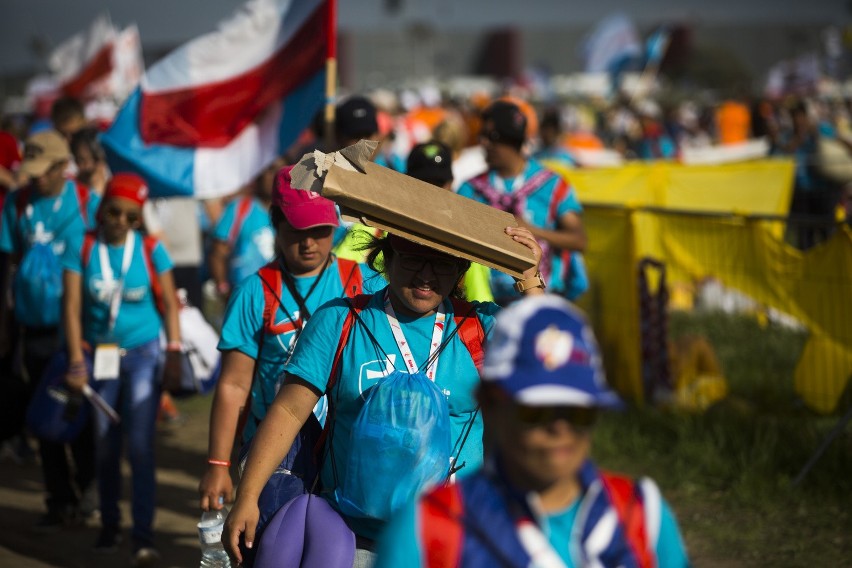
708,222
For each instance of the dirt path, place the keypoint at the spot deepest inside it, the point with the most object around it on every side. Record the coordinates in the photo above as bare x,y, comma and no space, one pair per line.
181,449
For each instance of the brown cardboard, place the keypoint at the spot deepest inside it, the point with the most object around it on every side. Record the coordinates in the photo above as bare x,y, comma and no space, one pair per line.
388,200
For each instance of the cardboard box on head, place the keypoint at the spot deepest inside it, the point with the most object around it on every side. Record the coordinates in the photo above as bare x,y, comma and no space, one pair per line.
385,199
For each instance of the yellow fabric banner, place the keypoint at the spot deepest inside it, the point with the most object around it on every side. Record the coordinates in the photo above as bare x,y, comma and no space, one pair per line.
759,187
744,254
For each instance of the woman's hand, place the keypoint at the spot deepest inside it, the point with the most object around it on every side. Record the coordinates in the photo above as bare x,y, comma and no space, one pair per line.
77,375
242,520
216,484
172,371
526,238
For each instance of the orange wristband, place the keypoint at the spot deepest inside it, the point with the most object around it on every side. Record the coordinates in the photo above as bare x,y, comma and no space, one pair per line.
223,463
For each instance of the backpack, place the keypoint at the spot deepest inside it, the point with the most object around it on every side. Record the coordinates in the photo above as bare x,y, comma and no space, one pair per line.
38,282
406,420
452,515
55,413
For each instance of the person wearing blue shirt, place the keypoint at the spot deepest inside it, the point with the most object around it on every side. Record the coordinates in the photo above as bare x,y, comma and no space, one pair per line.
265,316
38,221
540,500
244,239
539,199
119,293
550,132
407,323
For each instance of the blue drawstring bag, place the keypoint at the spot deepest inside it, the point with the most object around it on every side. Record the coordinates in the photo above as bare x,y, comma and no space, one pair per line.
402,433
55,413
38,287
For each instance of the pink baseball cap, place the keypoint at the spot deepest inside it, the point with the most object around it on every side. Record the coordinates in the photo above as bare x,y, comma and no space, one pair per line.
302,209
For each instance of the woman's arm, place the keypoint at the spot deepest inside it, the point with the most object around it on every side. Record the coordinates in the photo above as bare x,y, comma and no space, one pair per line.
229,399
284,418
76,377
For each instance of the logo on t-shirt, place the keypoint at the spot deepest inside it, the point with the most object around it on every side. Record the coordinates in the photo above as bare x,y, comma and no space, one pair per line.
287,338
372,371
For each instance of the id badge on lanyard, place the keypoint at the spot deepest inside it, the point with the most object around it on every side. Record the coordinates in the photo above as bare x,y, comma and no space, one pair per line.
107,363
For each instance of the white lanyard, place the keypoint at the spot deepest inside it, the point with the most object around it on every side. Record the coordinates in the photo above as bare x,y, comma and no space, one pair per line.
404,347
116,288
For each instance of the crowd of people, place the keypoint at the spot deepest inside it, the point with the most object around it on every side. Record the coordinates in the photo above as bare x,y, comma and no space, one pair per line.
326,323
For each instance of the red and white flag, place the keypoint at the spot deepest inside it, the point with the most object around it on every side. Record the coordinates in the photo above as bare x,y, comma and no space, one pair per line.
84,59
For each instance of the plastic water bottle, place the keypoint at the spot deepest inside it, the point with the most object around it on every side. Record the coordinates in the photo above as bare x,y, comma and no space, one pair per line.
210,527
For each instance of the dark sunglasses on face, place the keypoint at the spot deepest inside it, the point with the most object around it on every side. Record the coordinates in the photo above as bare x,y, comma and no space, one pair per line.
116,213
415,263
537,416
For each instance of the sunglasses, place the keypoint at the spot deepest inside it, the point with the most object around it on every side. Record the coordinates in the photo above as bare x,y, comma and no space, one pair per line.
579,417
115,213
415,263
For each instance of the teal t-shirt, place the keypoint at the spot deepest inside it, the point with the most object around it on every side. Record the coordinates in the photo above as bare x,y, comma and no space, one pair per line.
537,212
399,544
242,328
253,245
138,320
363,363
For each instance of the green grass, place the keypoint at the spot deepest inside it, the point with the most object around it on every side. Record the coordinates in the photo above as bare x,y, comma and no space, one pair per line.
728,472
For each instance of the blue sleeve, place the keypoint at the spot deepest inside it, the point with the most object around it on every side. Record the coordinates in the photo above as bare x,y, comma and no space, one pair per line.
241,329
92,210
314,351
8,224
160,258
72,257
223,227
571,204
671,552
397,544
372,280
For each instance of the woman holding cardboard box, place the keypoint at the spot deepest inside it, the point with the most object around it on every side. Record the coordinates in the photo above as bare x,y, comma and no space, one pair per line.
400,377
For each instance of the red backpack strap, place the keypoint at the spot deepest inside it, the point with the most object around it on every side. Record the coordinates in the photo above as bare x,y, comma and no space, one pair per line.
270,276
441,530
83,196
560,192
350,277
357,304
149,243
89,239
470,329
625,497
243,208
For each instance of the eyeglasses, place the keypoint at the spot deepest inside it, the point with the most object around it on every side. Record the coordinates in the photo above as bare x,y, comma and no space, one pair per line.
415,263
116,214
580,417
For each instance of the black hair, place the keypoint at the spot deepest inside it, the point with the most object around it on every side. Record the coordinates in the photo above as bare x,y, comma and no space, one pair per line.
88,137
379,250
64,109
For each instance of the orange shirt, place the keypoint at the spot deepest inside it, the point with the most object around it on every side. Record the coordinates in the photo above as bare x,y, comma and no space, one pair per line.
733,121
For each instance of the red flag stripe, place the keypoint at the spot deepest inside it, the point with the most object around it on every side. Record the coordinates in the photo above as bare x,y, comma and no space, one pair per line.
98,67
212,115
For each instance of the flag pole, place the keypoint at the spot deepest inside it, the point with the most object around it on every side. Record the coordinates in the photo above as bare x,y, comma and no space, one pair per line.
330,74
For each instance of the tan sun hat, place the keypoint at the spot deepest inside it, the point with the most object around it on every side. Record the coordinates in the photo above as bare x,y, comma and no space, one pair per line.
42,150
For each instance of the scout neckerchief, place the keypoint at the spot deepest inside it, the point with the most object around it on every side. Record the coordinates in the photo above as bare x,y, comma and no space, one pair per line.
405,348
116,288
